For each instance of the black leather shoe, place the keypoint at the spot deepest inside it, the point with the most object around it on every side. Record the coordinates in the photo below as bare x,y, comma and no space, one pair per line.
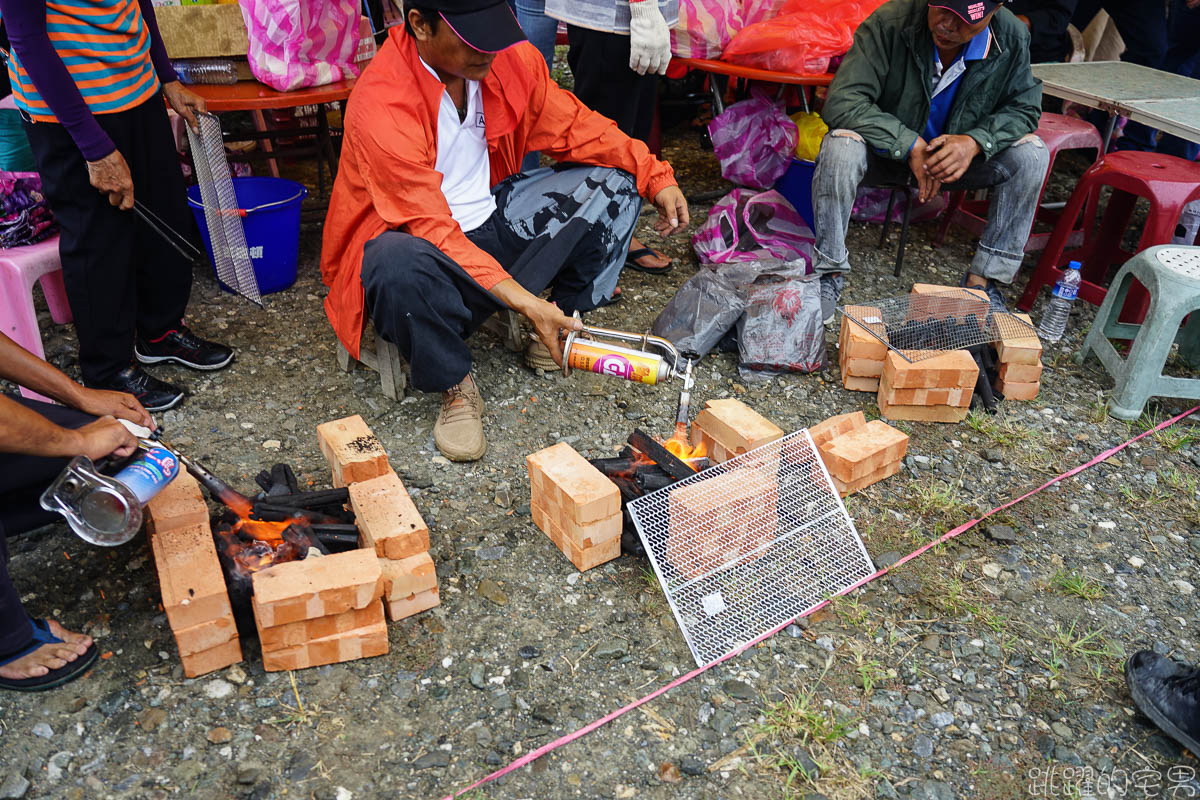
153,394
1168,693
182,346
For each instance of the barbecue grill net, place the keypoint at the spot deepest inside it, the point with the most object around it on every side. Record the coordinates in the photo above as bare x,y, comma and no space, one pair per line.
230,255
920,326
749,544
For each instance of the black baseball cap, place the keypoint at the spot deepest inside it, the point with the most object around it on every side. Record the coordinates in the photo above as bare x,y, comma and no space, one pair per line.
970,11
488,26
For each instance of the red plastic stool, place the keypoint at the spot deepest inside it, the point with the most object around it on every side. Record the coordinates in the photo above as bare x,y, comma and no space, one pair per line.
1169,184
1059,133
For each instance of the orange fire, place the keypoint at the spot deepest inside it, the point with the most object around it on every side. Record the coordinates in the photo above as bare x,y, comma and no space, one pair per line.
269,545
679,446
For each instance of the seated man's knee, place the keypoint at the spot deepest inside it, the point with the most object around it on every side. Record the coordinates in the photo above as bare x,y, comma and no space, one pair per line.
1030,153
842,143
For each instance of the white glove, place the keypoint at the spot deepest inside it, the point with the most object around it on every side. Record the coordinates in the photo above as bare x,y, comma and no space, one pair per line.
649,38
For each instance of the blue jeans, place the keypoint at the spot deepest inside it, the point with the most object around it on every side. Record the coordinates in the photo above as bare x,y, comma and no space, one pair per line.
1017,173
541,32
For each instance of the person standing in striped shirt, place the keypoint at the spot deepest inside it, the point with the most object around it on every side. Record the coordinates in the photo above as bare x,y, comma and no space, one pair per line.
90,78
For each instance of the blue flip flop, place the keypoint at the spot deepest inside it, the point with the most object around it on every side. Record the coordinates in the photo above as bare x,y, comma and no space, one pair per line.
55,677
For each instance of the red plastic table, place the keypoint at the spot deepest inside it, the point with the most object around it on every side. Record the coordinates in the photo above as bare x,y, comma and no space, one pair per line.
751,74
256,98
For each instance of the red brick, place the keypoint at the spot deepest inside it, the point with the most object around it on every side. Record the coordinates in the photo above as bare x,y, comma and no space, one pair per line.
408,606
1018,391
931,301
715,452
388,521
1020,373
833,427
735,426
953,369
190,577
722,519
293,634
856,342
211,660
1019,346
853,384
206,635
179,505
353,452
602,545
315,587
585,558
845,489
863,451
407,576
862,368
924,413
365,642
930,397
561,479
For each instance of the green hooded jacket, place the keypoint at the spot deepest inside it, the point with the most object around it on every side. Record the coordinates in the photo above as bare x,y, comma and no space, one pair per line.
884,85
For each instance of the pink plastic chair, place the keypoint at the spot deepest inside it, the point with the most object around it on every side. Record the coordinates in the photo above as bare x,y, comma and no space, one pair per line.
19,268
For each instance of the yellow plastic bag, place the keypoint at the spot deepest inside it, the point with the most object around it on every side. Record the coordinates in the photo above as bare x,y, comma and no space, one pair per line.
812,130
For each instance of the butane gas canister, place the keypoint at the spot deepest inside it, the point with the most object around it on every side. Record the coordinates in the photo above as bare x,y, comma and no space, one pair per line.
620,362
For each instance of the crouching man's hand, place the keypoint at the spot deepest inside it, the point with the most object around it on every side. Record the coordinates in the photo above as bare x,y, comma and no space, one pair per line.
547,319
672,211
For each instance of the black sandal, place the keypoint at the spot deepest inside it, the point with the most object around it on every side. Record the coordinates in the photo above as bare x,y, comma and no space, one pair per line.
632,263
55,677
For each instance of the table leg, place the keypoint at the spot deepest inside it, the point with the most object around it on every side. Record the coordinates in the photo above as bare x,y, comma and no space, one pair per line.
1108,131
260,125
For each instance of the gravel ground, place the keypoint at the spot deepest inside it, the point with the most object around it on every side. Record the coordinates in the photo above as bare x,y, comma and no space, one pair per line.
991,667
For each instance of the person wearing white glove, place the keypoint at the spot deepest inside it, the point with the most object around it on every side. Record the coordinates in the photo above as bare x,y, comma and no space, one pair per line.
618,50
649,38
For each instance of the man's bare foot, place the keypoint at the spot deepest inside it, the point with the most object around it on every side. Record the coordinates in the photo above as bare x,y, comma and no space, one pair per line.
649,259
48,656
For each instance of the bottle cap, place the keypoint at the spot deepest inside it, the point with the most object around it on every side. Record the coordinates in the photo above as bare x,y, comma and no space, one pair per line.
1073,265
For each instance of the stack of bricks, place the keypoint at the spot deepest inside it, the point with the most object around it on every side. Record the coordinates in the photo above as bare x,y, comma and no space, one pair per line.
934,389
389,524
320,610
189,573
1020,360
858,453
575,505
861,354
728,428
732,517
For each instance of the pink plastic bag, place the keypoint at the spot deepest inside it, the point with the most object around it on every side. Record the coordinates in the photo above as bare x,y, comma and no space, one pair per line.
299,43
748,226
754,11
870,205
705,27
802,38
754,140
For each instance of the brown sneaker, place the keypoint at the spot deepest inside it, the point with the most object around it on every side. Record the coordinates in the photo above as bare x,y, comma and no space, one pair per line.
458,431
537,356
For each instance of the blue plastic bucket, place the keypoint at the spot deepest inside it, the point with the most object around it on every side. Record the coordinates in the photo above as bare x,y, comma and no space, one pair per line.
271,218
796,186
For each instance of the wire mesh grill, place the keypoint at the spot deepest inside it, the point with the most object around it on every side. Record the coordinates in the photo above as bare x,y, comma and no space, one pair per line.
749,544
920,326
230,255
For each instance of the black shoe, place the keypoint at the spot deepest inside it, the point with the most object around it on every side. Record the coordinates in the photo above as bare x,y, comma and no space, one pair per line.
1168,693
153,394
994,292
183,347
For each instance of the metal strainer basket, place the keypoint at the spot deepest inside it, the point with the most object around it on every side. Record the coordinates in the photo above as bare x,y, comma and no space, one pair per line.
920,326
749,544
231,256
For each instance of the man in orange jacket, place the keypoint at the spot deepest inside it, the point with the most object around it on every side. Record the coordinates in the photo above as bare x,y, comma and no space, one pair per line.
431,228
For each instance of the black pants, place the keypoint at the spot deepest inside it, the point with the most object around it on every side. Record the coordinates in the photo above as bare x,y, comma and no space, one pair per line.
605,83
22,481
121,278
564,228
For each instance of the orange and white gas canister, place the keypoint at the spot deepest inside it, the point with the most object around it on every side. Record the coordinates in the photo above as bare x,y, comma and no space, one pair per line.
619,362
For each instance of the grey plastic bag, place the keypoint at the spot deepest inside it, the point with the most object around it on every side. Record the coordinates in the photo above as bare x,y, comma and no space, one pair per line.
704,309
781,329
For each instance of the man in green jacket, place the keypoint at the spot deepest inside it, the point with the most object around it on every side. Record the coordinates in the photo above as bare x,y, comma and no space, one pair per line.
937,93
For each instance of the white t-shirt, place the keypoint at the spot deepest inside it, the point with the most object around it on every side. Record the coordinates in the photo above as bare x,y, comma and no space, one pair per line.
462,158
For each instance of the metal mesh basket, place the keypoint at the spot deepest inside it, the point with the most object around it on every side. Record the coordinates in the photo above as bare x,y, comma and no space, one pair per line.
749,544
231,257
920,326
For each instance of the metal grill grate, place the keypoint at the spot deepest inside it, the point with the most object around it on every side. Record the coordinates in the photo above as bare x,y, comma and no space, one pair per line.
1184,260
920,326
230,255
748,544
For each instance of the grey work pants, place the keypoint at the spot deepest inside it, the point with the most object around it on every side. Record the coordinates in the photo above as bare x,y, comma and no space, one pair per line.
845,162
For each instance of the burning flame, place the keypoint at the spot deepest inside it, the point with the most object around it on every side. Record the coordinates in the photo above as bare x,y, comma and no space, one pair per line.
254,544
679,446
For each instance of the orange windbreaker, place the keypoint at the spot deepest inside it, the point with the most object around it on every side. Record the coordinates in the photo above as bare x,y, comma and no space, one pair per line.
386,178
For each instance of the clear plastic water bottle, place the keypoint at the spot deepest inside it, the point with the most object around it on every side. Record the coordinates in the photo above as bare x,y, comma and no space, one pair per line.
1054,318
205,70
